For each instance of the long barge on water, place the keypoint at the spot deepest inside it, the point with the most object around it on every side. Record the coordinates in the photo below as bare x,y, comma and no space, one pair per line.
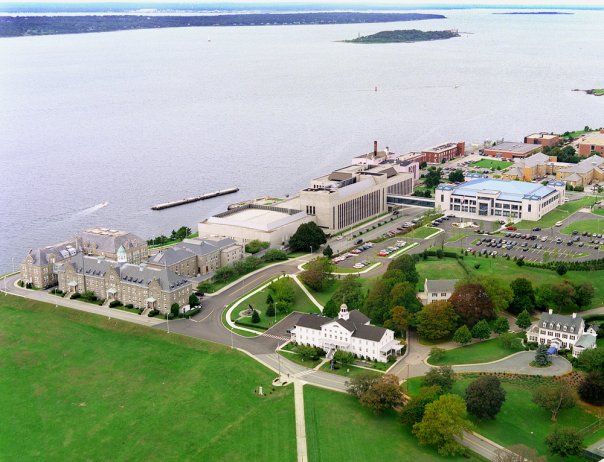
188,200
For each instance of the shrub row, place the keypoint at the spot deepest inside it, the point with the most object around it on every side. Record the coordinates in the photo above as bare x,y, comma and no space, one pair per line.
249,324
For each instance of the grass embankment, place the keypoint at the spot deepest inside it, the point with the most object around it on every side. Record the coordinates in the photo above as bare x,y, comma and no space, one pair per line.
492,164
521,421
481,352
422,233
349,371
296,358
301,303
339,429
507,270
324,295
595,225
76,386
560,213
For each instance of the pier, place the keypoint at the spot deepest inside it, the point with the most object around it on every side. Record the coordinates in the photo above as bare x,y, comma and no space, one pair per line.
188,200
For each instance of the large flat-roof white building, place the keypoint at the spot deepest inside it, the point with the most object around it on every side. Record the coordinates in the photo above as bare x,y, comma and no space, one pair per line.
491,199
353,194
249,222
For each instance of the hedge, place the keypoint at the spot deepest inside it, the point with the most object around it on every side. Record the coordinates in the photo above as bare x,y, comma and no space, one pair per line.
249,324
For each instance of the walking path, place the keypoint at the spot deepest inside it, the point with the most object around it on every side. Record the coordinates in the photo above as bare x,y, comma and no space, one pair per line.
300,422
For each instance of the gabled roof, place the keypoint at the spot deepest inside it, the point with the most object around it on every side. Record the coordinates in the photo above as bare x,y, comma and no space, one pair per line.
357,317
313,321
109,240
563,320
61,251
440,285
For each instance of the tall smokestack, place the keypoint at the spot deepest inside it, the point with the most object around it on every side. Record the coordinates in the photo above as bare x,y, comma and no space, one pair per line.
375,148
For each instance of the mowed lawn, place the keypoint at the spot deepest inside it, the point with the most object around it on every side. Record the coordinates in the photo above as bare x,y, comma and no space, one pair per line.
422,233
76,386
595,225
492,164
258,301
521,421
507,270
481,352
339,429
558,214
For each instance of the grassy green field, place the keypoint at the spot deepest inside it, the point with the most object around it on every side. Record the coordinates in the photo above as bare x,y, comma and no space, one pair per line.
324,295
76,386
521,421
482,352
258,301
560,213
592,226
492,164
507,270
422,233
296,358
339,429
349,371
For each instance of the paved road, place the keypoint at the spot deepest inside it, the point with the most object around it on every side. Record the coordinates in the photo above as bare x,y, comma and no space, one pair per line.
519,363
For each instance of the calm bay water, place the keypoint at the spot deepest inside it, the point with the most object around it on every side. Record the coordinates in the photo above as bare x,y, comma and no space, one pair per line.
141,117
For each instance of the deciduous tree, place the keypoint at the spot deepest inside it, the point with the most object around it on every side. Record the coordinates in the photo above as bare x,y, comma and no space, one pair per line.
566,441
384,393
472,303
398,320
484,397
307,236
592,360
456,176
524,296
442,377
591,388
413,412
554,397
436,320
350,291
317,274
444,420
359,384
405,263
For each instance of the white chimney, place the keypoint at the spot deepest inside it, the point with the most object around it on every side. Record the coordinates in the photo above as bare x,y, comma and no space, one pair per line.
550,311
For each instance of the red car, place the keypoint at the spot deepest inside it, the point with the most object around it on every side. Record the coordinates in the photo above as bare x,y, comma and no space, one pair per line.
511,228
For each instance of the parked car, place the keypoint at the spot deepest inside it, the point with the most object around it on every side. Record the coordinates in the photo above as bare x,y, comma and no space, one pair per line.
558,223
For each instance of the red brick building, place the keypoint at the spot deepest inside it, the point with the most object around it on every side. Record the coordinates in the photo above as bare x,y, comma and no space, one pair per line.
443,153
592,143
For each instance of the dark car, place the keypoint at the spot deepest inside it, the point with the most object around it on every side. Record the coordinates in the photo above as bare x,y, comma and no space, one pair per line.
536,228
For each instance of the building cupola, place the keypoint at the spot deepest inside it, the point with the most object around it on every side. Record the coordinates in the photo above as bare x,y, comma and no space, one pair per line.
343,312
122,257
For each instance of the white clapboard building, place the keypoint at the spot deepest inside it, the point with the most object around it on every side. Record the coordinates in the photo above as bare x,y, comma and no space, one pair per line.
351,332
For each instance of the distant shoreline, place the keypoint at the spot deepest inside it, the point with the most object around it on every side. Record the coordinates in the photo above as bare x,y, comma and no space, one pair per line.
22,26
536,12
592,91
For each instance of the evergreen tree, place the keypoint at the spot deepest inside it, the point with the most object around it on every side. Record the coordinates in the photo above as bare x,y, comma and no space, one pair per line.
255,317
541,357
481,330
501,325
328,251
462,335
523,320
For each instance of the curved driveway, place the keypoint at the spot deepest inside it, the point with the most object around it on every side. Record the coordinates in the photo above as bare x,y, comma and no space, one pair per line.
519,363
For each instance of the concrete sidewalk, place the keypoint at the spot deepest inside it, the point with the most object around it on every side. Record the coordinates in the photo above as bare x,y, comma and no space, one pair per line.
300,421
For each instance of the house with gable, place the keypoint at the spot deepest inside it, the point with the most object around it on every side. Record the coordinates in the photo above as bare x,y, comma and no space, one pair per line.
563,332
350,331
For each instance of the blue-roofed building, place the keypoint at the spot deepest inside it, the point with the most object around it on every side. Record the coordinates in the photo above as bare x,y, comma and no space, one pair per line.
493,199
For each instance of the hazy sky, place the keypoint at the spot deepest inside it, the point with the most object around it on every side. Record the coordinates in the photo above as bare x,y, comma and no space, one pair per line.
413,3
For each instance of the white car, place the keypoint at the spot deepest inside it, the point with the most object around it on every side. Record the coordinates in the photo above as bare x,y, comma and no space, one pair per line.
558,223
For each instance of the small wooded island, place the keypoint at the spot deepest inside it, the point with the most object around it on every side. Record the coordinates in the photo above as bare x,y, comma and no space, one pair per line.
593,91
405,36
